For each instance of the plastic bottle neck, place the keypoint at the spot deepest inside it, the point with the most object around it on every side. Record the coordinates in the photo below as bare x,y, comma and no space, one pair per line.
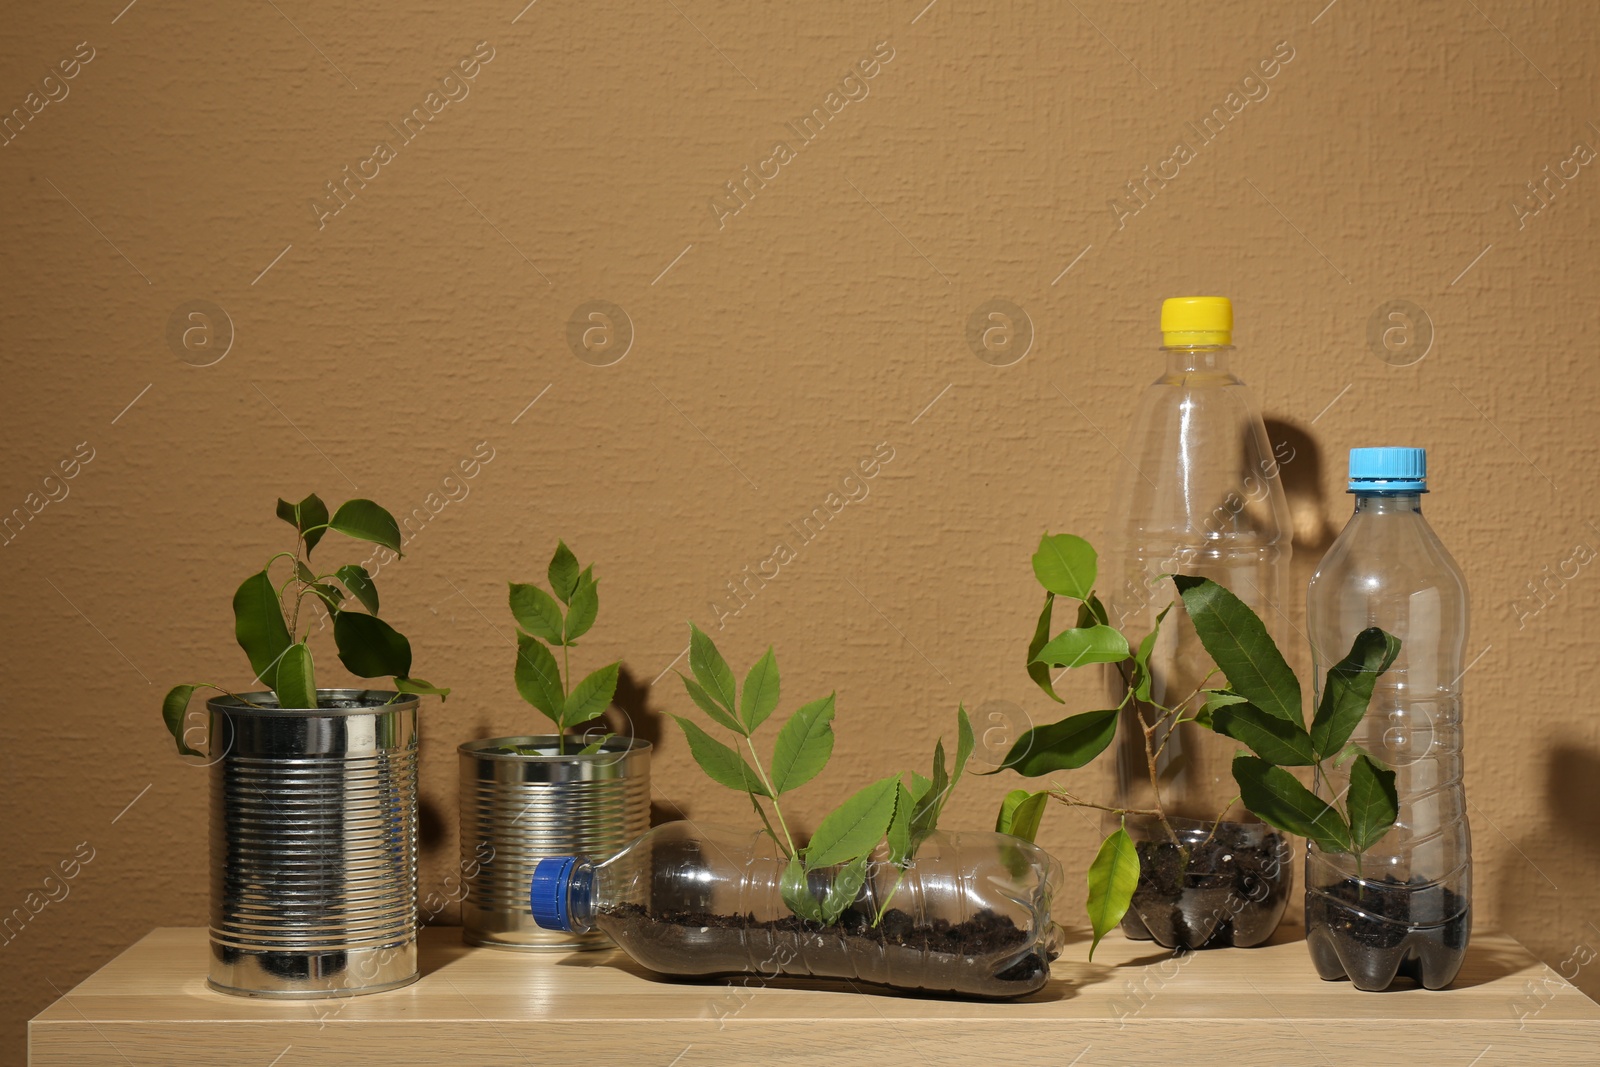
1388,503
1197,359
580,899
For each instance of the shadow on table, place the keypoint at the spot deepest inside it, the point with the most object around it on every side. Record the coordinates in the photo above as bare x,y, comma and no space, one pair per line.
436,951
1055,990
1489,963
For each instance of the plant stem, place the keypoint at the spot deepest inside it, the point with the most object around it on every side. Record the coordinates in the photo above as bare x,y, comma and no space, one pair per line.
754,803
1155,787
294,621
1071,801
776,810
1218,821
566,673
884,907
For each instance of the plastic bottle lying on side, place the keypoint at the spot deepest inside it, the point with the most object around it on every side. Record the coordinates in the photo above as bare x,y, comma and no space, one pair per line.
969,916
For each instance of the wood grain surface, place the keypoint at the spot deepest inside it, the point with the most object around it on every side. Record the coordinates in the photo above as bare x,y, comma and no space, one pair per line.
1136,1004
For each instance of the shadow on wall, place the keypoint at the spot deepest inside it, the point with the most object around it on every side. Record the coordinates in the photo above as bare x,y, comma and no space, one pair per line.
1301,475
1572,797
630,714
1541,883
1300,472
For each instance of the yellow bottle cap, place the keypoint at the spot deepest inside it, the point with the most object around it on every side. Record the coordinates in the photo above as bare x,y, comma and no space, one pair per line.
1197,320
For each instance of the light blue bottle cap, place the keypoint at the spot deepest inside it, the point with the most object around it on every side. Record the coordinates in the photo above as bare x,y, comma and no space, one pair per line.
547,894
1388,470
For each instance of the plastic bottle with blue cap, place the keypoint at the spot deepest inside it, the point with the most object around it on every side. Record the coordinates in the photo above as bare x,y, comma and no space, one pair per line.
1404,907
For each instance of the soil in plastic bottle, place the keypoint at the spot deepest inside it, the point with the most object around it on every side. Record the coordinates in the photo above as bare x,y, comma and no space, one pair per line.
1232,891
1374,932
941,957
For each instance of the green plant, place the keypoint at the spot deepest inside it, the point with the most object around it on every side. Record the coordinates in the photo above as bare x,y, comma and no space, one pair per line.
277,642
542,622
1259,707
886,811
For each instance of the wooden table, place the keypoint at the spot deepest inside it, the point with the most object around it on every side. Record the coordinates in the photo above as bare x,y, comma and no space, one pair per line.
1136,1004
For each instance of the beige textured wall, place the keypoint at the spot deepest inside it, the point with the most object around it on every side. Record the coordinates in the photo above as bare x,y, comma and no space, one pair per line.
773,349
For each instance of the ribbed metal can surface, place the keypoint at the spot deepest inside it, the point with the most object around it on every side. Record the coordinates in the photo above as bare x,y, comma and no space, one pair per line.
517,809
313,844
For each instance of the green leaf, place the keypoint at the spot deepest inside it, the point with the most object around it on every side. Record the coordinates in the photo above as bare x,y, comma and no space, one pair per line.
563,572
965,743
797,894
899,832
297,686
173,709
930,798
366,521
590,697
1065,565
854,828
420,688
1064,745
1240,645
359,582
583,608
538,678
535,611
846,886
1040,672
722,764
710,669
718,715
1113,876
595,746
1348,689
259,627
1371,801
1079,646
1214,699
1278,798
1020,814
310,512
1141,658
370,647
304,573
759,698
1273,739
803,746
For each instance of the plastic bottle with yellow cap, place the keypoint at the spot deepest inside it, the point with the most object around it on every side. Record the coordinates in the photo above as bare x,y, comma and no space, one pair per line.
1205,499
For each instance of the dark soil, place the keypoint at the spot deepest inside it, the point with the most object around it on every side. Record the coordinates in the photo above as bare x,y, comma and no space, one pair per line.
1374,932
1232,891
984,956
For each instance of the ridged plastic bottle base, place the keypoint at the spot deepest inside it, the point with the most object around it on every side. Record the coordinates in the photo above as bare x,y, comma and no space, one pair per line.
1232,893
1372,950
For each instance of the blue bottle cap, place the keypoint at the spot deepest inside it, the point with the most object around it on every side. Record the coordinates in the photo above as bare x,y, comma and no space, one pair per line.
1388,470
547,894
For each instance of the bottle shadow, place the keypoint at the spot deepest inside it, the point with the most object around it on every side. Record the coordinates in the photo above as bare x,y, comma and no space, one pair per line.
1300,473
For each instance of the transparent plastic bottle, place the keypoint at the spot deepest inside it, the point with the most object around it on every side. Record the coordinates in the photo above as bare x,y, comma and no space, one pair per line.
970,915
1405,906
1204,499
